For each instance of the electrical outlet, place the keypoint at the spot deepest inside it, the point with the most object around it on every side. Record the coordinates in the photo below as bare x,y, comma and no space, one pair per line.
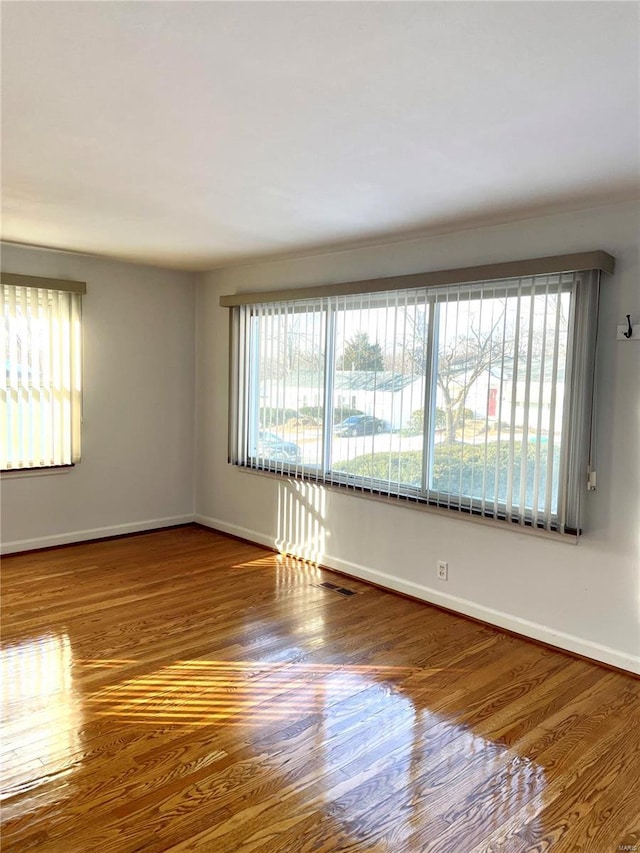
443,570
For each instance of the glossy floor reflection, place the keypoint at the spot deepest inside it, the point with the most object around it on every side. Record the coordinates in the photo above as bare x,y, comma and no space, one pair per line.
41,713
184,691
204,693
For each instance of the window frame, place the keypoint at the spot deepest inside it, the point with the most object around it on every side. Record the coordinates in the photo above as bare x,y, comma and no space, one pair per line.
423,495
74,290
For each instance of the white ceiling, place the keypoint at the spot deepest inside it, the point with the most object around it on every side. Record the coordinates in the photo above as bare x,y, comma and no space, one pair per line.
194,134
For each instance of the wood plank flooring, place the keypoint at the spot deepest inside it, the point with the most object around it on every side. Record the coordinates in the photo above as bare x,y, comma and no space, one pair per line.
181,691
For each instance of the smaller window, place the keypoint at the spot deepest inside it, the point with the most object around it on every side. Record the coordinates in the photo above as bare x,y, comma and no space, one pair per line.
42,390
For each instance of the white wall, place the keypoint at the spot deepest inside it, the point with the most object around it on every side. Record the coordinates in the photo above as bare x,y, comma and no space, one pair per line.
138,408
584,598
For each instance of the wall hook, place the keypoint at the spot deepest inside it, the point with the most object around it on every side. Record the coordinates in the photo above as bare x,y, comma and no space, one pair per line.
629,331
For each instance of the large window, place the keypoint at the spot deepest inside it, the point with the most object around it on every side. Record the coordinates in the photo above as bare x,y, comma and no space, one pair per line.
41,395
475,397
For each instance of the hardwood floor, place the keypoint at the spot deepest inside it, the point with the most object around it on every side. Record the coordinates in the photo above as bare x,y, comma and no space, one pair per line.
182,691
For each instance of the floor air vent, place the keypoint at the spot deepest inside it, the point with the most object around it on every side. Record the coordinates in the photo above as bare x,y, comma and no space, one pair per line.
341,589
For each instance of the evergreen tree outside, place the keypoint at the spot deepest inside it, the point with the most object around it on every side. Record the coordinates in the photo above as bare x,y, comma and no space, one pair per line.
361,354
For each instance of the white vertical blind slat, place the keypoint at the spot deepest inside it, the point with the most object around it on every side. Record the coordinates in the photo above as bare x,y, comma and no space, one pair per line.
524,450
76,368
552,411
4,393
24,345
36,386
541,396
489,402
500,396
514,398
56,359
13,402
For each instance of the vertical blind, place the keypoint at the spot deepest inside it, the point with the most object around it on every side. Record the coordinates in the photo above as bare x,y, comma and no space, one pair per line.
41,394
474,397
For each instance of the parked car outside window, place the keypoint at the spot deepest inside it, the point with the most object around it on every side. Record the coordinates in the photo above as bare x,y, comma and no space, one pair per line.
361,425
273,447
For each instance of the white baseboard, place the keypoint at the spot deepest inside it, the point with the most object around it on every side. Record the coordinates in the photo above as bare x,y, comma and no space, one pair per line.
236,530
533,630
72,536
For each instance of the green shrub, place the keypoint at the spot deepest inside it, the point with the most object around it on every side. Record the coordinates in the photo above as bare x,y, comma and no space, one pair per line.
398,467
271,417
343,412
464,469
416,422
339,414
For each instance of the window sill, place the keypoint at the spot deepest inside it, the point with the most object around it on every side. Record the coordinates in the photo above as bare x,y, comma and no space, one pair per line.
421,506
14,473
